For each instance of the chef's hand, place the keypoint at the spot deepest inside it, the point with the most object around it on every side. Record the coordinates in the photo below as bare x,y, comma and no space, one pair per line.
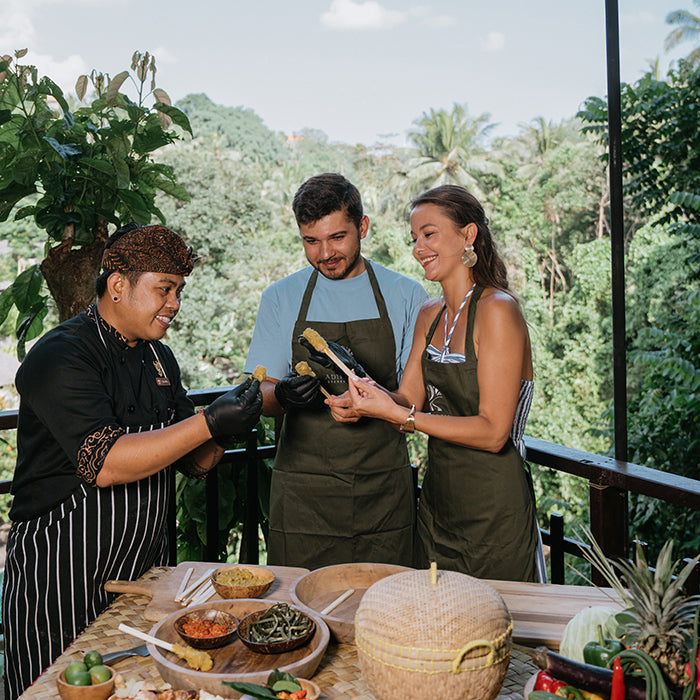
341,352
298,391
233,415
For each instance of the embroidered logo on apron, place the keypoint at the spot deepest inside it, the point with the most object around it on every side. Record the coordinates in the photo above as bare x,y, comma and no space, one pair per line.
434,395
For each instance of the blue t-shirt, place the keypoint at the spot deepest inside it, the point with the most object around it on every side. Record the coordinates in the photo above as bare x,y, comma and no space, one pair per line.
341,301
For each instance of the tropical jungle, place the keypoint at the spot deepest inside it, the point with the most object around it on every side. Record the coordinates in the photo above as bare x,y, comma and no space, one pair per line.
72,167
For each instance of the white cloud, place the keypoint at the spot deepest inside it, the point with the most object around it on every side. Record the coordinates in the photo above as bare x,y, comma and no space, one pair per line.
17,29
65,72
348,15
164,56
493,41
439,21
18,32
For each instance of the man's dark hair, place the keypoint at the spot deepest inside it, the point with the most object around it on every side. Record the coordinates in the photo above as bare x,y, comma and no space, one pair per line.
101,281
325,194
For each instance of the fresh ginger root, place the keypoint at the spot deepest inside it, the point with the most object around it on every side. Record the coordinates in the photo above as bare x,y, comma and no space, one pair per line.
315,338
303,368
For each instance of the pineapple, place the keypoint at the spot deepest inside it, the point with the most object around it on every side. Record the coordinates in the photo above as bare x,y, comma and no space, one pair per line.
659,617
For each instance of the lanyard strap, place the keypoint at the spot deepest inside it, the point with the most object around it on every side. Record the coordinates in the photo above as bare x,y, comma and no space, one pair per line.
448,336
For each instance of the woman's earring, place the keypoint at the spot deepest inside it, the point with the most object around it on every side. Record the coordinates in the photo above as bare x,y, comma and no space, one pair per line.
115,298
469,257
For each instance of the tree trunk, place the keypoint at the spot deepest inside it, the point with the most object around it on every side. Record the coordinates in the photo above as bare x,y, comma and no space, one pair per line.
70,273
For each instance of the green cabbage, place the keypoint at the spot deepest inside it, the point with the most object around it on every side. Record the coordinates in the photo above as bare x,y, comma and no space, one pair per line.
583,628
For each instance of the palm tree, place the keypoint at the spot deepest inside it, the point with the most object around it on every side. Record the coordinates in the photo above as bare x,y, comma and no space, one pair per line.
687,29
449,148
535,142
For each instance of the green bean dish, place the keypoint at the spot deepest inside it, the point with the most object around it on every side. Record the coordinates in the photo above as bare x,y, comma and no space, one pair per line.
280,623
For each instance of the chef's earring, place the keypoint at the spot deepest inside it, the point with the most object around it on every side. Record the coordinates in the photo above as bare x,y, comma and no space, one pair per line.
469,256
115,298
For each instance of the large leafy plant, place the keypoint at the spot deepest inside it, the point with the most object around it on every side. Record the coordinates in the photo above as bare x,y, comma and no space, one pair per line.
75,171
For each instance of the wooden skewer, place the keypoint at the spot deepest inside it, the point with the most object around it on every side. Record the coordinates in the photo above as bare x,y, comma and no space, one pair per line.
303,368
197,659
192,590
203,595
342,597
320,345
145,637
183,583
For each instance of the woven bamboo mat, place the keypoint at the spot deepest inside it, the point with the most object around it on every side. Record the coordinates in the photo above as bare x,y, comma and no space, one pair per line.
338,675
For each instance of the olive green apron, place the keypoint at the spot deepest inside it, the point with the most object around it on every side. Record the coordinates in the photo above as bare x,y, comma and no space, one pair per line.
476,512
342,492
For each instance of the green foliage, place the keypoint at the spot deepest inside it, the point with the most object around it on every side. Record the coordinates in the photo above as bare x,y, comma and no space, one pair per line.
73,171
450,148
231,495
660,145
665,414
237,128
548,205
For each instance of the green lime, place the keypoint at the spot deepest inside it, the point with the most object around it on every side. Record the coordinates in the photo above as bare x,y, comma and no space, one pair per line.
92,658
99,674
80,678
73,668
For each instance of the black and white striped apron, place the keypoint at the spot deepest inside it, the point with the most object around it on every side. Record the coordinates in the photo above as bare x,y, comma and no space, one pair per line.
57,565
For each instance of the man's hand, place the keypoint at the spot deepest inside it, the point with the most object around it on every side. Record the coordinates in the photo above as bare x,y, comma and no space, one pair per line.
343,354
298,391
231,416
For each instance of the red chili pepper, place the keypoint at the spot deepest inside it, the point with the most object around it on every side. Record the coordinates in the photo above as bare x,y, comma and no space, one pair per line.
618,681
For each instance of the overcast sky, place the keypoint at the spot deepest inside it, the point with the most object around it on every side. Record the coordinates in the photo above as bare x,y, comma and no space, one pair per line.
359,70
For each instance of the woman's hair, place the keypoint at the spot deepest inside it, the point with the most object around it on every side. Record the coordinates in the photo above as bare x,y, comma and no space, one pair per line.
464,208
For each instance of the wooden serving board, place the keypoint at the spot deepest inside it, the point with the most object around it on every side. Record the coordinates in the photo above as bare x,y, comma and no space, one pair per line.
541,611
235,662
162,591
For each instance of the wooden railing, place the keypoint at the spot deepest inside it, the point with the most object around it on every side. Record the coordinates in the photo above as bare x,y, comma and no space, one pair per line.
609,482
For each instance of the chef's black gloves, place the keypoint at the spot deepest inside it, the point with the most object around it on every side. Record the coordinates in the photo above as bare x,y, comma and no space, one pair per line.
233,415
298,391
340,351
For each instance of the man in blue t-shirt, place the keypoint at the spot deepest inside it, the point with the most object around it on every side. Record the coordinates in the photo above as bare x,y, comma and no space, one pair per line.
341,492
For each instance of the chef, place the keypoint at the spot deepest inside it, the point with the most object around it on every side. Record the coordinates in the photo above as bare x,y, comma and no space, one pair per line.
340,492
103,419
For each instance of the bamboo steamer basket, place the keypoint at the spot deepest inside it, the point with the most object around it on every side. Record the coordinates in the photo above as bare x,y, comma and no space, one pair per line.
433,634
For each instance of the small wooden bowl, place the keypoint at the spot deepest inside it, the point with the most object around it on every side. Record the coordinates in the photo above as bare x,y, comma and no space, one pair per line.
219,616
313,692
101,691
227,591
272,647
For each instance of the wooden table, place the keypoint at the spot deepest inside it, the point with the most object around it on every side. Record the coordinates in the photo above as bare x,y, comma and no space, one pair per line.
540,612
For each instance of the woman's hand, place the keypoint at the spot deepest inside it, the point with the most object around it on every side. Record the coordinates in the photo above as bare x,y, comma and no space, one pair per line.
341,406
342,409
367,398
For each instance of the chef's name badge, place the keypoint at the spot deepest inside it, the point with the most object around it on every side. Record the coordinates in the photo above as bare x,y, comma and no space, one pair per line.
161,377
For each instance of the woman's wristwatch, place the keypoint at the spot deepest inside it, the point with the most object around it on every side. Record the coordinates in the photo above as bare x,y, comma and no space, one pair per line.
409,425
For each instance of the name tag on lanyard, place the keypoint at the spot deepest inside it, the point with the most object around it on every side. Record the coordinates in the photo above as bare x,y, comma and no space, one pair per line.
161,376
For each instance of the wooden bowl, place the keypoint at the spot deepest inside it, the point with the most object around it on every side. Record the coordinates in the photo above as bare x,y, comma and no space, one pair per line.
313,592
234,662
313,692
221,617
101,691
228,591
272,647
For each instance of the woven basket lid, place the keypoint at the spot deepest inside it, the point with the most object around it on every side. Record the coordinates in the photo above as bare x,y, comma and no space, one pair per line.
457,622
